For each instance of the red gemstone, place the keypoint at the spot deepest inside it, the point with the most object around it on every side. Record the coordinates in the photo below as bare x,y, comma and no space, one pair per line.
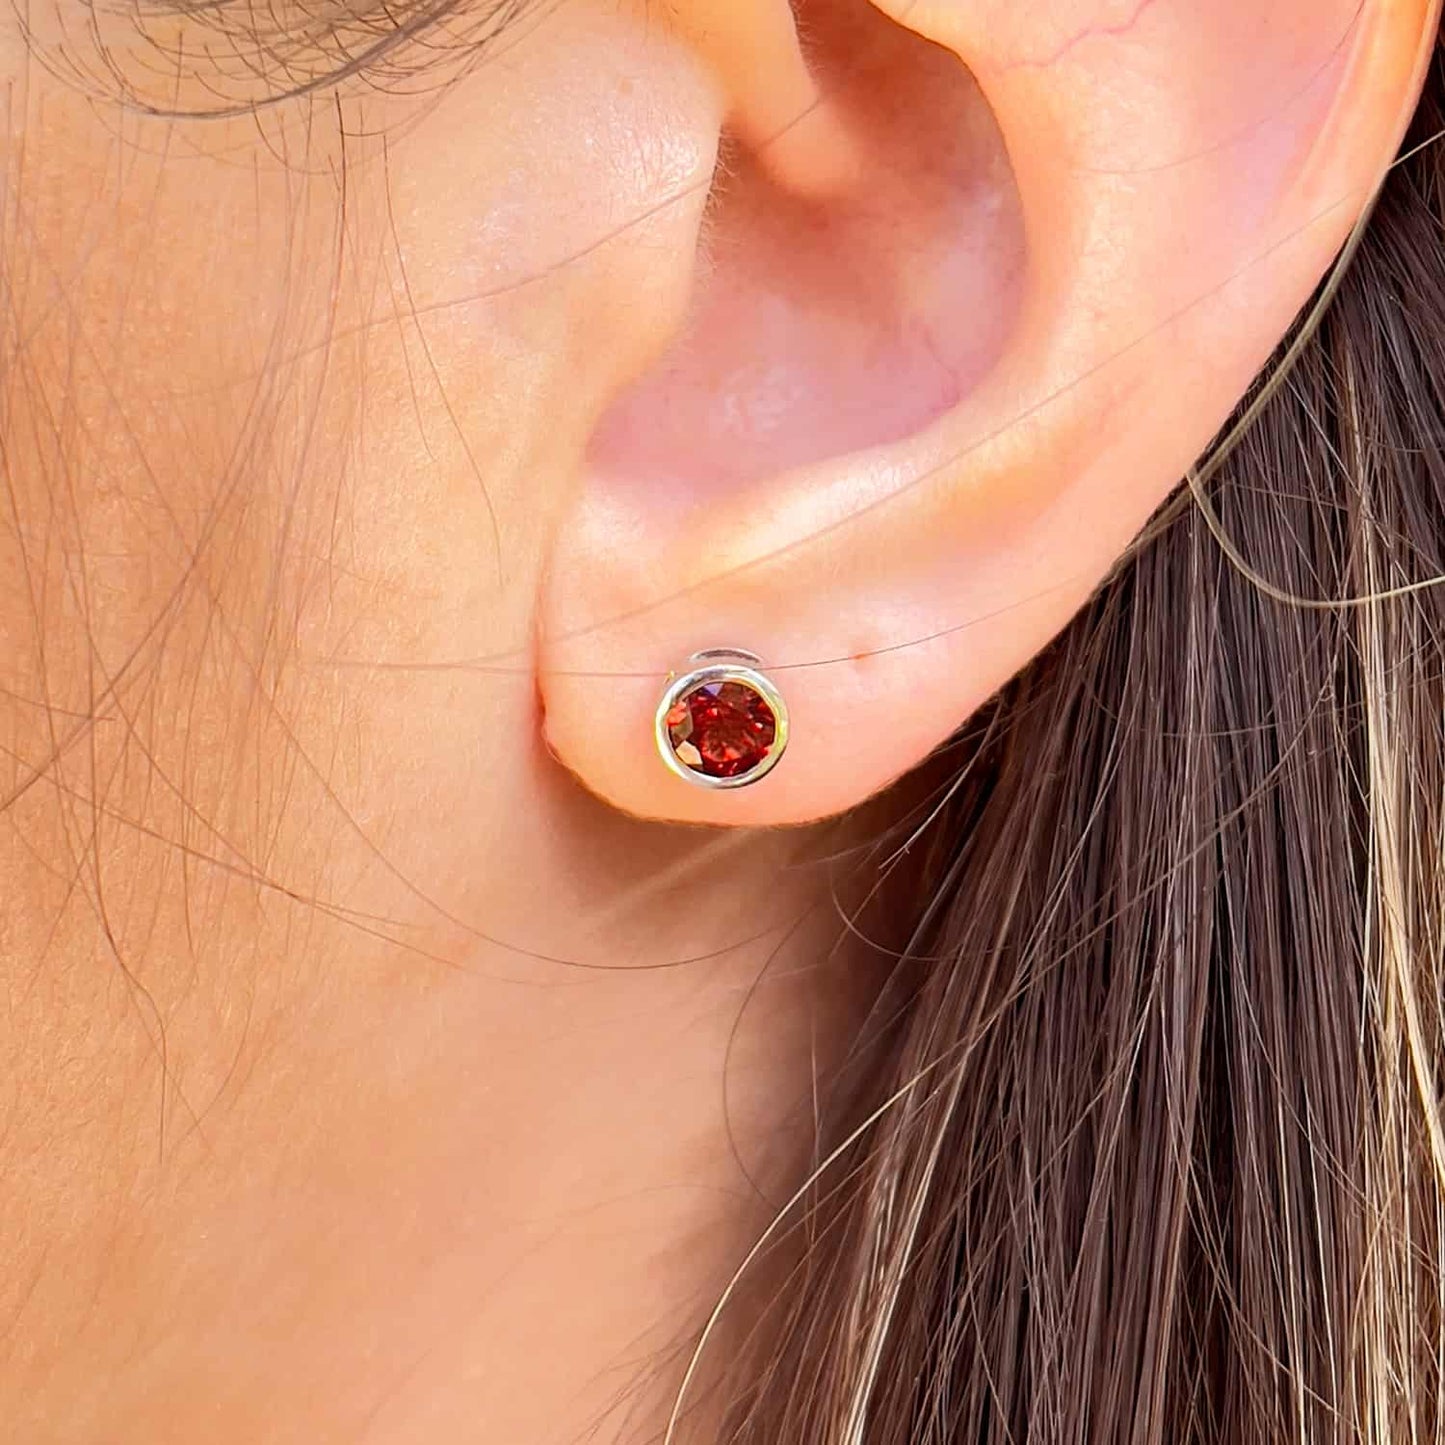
722,729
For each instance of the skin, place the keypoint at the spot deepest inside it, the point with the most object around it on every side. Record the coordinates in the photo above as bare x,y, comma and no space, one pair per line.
383,1062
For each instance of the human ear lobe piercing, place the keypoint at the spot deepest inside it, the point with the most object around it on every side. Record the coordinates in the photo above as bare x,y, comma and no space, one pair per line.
722,723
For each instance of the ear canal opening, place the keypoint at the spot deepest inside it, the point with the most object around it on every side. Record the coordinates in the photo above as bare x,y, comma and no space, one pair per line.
828,320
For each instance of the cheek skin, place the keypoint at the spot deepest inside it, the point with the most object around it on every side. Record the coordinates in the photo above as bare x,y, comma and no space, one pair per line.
270,452
290,411
349,391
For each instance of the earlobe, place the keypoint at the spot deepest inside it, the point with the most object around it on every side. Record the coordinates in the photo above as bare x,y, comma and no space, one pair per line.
908,424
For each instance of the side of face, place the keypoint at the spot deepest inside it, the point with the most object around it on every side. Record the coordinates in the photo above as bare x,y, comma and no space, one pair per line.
369,458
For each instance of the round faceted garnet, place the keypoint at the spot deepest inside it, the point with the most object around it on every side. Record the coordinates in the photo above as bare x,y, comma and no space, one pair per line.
722,729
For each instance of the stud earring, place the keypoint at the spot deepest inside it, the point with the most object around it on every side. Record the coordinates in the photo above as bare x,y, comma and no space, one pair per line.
722,723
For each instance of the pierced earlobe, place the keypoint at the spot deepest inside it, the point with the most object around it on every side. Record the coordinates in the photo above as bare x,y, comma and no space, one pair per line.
722,723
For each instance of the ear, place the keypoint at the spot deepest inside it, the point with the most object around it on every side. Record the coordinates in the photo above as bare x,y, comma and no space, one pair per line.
925,394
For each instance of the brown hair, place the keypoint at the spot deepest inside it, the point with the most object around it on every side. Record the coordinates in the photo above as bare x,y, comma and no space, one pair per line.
1150,1148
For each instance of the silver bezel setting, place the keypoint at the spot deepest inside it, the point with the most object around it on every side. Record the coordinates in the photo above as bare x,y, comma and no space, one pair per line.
717,665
